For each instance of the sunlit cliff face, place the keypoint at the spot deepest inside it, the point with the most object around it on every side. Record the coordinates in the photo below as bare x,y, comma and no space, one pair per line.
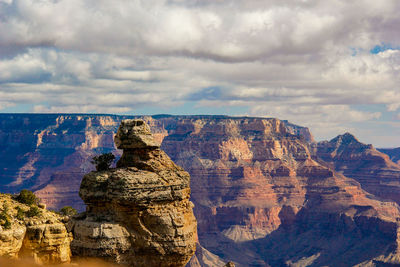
77,263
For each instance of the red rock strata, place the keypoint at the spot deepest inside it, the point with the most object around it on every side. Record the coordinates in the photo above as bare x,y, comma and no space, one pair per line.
393,153
256,187
263,195
374,170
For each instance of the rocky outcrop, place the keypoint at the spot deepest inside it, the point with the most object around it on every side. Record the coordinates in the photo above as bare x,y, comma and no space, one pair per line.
42,237
262,194
256,185
393,153
204,258
139,213
49,153
374,170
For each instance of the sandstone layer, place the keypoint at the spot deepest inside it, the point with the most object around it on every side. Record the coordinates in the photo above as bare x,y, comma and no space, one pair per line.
393,153
261,198
42,238
49,153
204,258
374,170
263,193
139,213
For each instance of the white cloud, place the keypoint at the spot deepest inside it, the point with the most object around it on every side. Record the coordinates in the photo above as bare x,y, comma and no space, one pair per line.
25,67
324,120
329,113
4,104
236,31
306,61
78,109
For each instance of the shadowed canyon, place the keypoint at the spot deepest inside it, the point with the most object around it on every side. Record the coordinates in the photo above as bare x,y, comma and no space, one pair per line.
264,192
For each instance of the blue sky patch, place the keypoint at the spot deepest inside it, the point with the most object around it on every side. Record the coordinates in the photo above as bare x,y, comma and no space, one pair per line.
383,47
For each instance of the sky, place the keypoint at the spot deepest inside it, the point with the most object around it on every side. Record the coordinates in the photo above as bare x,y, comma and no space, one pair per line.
332,66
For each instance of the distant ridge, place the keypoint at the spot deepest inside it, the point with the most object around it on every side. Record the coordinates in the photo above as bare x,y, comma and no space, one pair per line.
264,192
393,153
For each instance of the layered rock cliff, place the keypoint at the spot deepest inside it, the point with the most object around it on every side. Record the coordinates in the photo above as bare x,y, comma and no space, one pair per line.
393,153
40,236
263,195
139,213
256,186
374,170
48,153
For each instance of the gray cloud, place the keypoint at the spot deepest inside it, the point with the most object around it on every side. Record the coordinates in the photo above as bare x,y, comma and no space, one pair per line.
307,61
228,31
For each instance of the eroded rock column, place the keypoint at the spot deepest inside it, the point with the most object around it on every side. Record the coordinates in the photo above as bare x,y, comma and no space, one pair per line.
138,214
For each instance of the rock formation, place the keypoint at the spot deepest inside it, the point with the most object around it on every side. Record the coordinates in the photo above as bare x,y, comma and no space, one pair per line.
42,237
374,170
263,194
393,153
138,214
49,154
261,198
204,258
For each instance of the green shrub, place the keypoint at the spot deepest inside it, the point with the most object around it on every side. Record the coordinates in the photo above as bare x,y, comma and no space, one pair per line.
33,211
68,211
7,224
5,207
103,162
27,197
20,213
5,220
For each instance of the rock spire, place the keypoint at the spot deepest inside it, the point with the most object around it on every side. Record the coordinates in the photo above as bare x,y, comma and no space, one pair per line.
139,213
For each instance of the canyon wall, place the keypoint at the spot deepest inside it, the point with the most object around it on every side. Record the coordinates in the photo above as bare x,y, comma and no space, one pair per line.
264,192
262,197
374,170
393,153
50,153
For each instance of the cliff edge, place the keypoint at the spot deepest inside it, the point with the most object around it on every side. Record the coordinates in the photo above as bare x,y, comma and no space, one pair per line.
32,233
139,213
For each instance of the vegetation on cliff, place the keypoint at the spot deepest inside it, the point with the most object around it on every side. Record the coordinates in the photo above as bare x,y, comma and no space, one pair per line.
27,197
138,214
68,211
30,231
256,183
103,162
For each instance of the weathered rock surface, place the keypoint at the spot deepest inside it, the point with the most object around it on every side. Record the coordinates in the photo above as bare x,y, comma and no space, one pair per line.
43,238
204,258
393,153
49,153
262,199
138,214
374,170
133,134
262,195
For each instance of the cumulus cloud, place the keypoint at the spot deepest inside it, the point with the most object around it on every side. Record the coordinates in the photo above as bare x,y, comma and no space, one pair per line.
307,61
325,120
227,30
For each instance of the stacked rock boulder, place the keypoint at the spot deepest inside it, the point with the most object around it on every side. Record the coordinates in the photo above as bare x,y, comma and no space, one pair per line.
42,237
138,214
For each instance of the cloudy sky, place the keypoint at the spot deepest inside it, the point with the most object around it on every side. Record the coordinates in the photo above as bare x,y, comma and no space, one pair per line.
330,65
